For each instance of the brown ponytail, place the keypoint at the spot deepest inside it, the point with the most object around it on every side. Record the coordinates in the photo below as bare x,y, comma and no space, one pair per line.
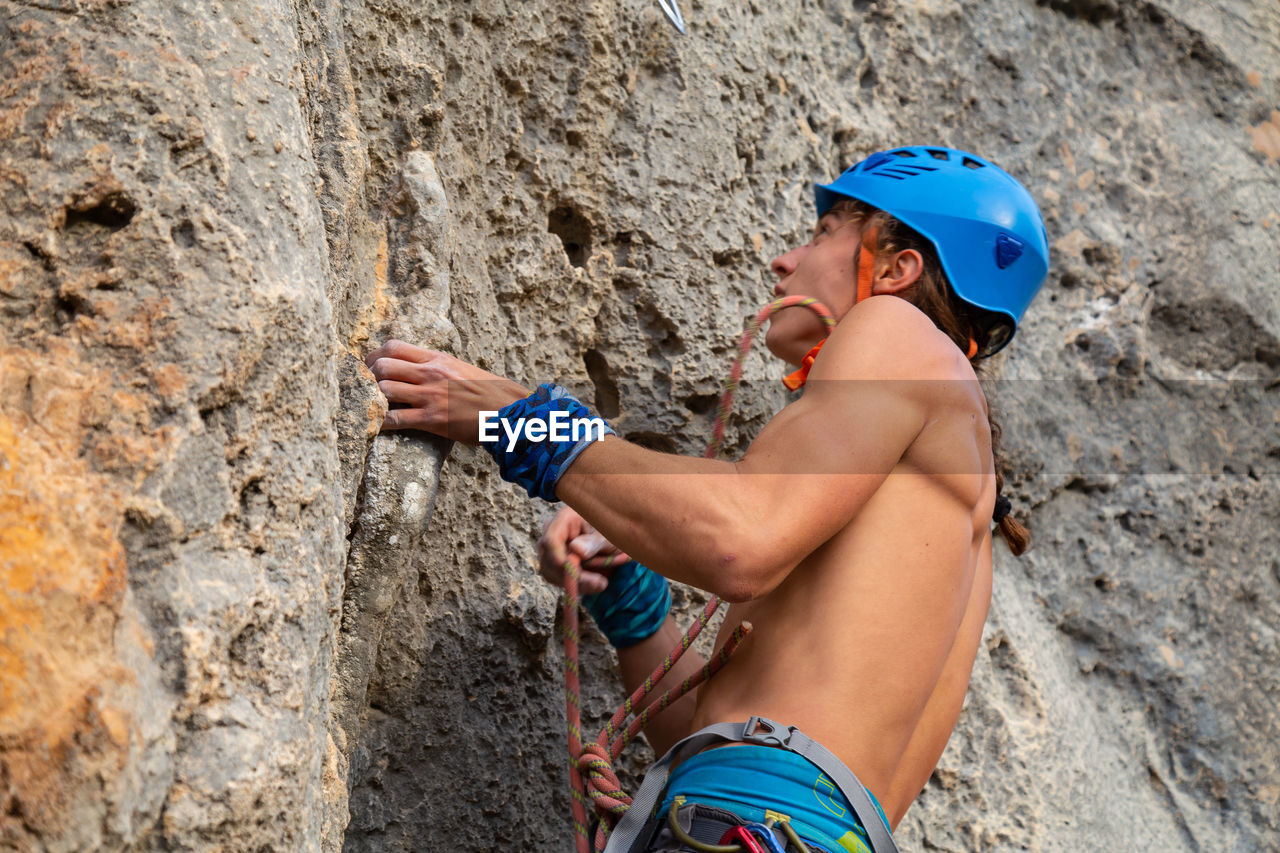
1016,536
933,295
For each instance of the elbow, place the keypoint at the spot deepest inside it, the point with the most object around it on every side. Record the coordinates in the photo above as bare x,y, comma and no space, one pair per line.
743,572
732,583
745,557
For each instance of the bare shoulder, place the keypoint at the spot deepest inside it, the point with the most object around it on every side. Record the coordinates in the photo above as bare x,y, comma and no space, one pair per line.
886,337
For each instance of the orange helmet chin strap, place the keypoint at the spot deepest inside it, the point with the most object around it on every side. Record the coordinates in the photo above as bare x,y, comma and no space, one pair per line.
866,269
866,266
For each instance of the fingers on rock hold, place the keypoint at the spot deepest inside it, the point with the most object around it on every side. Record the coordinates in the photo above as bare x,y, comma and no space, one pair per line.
404,419
399,392
396,368
399,350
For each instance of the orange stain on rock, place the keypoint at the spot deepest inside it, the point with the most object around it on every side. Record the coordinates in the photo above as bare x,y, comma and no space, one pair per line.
62,568
375,414
62,591
62,582
141,328
1266,137
12,266
380,300
169,380
24,77
1064,151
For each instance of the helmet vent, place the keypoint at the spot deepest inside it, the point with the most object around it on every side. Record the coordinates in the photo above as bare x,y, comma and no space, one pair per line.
938,155
970,163
902,171
903,153
874,161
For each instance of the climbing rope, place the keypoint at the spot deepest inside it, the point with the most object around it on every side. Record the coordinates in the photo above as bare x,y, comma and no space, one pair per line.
591,775
744,346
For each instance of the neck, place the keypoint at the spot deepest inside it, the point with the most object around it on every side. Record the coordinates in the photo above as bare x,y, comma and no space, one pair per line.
796,380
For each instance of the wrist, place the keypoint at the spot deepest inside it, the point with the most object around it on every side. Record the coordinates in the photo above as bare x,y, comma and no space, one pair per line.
535,439
509,392
633,607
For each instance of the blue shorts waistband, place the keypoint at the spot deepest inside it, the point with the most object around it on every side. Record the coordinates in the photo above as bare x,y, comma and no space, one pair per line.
750,780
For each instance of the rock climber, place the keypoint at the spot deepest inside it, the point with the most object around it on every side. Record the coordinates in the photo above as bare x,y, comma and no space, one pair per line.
854,534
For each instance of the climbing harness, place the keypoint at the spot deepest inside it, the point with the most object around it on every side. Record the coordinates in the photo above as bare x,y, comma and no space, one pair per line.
740,838
591,772
673,13
765,732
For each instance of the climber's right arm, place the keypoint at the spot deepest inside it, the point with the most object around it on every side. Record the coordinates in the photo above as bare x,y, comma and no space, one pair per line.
636,663
568,537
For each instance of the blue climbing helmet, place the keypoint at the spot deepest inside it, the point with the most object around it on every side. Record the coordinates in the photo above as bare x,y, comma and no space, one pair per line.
983,224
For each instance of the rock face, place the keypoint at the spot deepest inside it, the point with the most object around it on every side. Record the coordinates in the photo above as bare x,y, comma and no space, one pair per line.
232,618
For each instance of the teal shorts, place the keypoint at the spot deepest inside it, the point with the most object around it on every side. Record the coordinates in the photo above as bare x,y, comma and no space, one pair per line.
759,782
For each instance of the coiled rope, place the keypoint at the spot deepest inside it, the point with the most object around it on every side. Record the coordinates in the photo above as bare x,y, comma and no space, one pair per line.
592,778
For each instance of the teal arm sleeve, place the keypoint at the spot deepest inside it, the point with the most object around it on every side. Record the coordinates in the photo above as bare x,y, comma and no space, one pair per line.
633,607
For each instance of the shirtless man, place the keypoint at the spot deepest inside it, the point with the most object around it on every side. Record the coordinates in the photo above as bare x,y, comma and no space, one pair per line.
854,534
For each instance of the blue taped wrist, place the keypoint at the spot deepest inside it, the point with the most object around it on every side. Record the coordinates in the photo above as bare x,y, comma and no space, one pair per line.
633,607
539,437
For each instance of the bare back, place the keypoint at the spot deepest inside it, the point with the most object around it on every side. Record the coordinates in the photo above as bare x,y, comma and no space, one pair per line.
867,645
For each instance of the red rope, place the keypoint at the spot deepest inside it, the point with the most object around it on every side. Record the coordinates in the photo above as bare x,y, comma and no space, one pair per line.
591,776
744,345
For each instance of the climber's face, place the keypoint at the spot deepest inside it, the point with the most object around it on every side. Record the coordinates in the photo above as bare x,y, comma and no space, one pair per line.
826,269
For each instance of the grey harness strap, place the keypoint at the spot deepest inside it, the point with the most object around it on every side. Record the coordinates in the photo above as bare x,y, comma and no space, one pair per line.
772,734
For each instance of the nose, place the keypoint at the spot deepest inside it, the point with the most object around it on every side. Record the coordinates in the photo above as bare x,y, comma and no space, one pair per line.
783,266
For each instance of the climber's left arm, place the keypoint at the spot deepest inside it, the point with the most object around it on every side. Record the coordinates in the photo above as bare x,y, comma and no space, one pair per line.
735,529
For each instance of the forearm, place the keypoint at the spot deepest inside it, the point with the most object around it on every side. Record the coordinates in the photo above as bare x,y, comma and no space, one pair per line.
689,519
638,661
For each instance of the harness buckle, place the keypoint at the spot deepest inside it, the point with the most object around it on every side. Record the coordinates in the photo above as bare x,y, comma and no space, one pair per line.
774,734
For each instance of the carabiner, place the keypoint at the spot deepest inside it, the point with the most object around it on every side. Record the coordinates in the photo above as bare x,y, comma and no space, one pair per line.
743,837
766,835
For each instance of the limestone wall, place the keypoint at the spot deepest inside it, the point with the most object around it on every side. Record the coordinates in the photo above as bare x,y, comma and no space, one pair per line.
233,619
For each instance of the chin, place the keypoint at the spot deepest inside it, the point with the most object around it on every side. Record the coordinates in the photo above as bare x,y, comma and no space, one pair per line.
783,348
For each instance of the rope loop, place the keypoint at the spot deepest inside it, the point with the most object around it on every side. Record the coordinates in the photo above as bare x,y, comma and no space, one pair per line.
602,783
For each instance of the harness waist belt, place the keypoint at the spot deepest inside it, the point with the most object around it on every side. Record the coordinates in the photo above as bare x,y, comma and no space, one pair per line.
757,730
749,781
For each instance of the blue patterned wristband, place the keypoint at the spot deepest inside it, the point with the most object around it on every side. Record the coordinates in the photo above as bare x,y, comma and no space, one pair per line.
633,607
535,440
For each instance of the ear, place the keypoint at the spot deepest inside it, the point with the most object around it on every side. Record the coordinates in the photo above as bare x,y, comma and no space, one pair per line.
899,272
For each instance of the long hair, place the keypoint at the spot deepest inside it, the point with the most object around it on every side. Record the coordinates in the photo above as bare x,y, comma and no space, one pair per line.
933,295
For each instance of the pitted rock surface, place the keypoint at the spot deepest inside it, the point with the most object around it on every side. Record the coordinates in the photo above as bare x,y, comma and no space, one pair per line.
232,618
